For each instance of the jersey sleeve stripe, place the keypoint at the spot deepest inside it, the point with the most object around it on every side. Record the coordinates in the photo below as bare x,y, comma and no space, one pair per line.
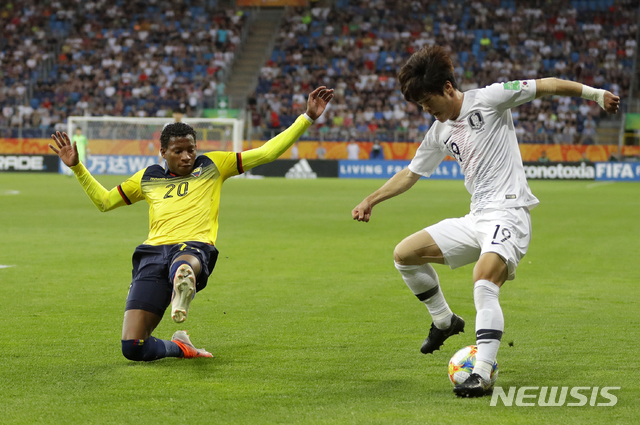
239,162
126,200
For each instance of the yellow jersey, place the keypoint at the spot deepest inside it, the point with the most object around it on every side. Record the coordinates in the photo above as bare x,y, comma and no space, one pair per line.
185,208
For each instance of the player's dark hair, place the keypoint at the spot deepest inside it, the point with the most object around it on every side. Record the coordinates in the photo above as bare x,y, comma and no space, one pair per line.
426,72
176,129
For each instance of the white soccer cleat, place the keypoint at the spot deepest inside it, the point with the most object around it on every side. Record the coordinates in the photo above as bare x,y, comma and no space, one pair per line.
182,339
184,288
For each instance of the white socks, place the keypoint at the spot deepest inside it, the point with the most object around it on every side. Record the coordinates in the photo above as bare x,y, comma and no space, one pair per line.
423,282
489,326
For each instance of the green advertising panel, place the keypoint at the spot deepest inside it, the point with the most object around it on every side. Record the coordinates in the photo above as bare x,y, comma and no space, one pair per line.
221,113
632,122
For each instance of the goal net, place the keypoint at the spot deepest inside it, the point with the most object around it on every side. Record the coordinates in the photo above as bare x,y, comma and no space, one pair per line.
141,136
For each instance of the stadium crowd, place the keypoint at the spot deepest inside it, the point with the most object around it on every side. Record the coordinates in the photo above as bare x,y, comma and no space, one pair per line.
66,57
359,46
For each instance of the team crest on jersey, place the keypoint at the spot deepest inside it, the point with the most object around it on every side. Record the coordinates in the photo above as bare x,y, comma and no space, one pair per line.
476,121
196,172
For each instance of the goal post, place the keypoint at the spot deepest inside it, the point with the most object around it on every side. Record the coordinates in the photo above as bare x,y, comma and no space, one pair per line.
141,135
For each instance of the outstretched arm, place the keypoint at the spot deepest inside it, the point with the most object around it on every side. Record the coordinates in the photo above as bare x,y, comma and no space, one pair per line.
555,86
399,183
102,198
274,148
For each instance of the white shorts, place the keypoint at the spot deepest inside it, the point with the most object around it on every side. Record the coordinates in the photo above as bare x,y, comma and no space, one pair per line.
463,240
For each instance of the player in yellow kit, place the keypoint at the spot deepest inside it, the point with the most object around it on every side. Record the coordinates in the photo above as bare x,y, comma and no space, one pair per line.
179,255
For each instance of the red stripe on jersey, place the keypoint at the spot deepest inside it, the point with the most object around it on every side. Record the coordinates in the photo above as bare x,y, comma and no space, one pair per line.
126,200
239,162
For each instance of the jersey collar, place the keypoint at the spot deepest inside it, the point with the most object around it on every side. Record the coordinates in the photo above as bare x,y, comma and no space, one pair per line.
167,172
464,108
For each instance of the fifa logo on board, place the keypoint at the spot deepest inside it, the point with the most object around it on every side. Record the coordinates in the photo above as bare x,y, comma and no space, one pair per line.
555,396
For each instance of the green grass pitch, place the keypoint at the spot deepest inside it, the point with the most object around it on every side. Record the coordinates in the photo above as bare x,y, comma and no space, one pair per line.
308,320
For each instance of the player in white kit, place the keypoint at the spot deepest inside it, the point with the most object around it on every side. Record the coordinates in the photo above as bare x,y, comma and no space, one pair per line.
476,128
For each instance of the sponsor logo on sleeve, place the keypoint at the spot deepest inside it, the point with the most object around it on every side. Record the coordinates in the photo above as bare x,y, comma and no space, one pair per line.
511,85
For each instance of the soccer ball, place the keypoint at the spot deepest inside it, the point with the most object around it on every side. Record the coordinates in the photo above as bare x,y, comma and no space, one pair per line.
461,365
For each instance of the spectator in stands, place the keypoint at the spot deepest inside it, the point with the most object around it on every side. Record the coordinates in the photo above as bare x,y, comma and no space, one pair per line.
589,132
107,55
179,112
376,151
110,62
543,157
274,120
256,122
353,150
321,151
515,45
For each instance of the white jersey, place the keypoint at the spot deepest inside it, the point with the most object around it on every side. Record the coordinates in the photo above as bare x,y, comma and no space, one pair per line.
483,141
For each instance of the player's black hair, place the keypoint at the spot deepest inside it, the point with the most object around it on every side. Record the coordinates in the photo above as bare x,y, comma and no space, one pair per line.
176,129
426,72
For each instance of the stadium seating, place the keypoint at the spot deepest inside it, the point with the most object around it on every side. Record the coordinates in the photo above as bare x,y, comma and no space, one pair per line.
127,58
572,41
87,57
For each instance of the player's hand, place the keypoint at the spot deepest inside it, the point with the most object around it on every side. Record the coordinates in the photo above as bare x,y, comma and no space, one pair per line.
67,152
363,211
317,102
611,102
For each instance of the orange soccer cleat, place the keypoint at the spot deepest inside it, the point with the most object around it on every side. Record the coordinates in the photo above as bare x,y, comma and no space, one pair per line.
182,339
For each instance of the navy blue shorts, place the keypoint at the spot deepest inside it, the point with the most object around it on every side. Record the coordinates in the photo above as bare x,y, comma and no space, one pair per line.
151,287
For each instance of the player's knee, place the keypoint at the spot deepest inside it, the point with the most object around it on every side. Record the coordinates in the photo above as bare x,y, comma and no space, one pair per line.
405,256
399,255
191,260
133,350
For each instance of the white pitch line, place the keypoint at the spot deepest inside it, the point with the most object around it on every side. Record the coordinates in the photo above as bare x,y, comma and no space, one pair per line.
598,184
2,266
11,192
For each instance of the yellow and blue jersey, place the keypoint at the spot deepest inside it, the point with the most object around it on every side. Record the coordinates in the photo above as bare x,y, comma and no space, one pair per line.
182,208
185,208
